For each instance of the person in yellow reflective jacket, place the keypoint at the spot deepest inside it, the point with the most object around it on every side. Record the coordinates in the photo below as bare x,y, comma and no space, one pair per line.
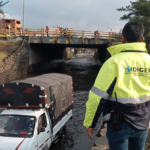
121,92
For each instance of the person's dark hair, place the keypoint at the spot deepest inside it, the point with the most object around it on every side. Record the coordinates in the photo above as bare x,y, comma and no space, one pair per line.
133,32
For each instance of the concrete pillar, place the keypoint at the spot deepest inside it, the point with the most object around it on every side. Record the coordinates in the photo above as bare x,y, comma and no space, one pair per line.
102,53
35,55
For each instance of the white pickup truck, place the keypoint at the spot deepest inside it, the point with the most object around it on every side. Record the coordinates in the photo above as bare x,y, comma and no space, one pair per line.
33,122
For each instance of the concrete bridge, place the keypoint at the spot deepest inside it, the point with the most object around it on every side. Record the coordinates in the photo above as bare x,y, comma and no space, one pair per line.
56,36
51,44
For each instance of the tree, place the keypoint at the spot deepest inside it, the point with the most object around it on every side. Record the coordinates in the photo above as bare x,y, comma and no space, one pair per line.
139,11
1,5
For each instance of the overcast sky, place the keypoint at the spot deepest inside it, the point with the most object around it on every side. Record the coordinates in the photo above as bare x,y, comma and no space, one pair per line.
77,14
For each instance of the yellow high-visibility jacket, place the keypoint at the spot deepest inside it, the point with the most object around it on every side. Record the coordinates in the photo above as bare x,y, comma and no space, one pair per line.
127,73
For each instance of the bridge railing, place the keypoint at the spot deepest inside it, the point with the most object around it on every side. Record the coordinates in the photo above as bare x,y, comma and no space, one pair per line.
57,32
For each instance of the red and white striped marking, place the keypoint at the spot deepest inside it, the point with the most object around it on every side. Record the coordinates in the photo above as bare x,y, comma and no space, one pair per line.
20,144
8,91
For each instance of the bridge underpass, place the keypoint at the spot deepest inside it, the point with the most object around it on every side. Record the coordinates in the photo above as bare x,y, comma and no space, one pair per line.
46,46
49,45
43,52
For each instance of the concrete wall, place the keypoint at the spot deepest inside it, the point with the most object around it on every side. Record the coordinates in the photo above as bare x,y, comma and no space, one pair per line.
35,55
15,65
101,53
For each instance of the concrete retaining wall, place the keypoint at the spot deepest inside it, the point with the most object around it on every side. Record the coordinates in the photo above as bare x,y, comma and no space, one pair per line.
15,65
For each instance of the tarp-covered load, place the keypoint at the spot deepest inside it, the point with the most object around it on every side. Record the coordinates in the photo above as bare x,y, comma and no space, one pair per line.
40,91
53,91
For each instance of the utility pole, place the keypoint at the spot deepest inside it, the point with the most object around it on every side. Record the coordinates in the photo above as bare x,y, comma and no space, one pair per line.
23,15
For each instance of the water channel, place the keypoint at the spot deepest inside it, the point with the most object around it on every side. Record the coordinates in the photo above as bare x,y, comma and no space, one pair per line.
84,71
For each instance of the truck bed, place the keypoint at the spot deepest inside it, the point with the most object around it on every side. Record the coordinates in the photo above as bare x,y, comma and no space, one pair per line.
53,91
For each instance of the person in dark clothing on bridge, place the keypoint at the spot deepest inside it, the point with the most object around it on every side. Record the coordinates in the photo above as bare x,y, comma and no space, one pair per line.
47,30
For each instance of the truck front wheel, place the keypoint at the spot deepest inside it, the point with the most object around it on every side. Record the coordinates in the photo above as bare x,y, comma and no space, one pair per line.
62,132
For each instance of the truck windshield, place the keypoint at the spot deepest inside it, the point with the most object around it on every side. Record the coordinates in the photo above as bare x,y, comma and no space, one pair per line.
16,125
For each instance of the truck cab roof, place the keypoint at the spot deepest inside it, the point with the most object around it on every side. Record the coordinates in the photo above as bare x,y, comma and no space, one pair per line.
25,112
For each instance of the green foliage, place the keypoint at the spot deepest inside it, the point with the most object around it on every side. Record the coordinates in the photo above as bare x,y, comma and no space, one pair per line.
1,5
139,11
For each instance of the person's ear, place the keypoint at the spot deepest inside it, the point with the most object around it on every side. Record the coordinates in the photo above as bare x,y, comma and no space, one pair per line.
142,39
124,40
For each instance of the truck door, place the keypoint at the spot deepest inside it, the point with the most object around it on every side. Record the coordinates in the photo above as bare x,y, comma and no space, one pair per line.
43,134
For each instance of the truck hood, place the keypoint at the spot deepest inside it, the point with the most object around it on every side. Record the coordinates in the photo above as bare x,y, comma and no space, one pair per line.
14,143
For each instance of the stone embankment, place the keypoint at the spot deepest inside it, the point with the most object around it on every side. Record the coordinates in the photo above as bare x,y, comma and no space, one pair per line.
15,64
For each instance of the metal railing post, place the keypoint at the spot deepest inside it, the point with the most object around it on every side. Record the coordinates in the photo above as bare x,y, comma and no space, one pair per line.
112,36
83,37
109,36
69,37
56,36
42,35
96,38
5,33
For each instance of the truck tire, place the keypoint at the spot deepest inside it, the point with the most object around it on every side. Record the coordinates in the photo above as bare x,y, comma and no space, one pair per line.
62,132
64,129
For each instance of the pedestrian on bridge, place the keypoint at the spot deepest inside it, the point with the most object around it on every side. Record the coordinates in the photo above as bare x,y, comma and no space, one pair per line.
96,33
47,30
121,93
61,31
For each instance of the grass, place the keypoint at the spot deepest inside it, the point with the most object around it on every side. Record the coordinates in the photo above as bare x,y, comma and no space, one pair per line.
7,47
2,55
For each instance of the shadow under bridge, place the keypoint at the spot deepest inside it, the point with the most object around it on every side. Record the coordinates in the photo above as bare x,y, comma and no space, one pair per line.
48,45
44,52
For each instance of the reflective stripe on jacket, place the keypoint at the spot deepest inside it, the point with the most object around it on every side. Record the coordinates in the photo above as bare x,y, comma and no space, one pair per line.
127,73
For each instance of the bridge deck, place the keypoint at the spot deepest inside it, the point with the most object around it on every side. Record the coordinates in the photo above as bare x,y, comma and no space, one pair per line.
67,40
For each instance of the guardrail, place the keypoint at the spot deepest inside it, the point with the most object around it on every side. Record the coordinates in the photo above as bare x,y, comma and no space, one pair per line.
57,32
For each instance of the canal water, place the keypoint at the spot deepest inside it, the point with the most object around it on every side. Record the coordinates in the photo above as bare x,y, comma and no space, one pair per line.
84,71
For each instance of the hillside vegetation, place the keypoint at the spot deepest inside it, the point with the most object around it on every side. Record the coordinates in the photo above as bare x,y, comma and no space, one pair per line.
7,48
